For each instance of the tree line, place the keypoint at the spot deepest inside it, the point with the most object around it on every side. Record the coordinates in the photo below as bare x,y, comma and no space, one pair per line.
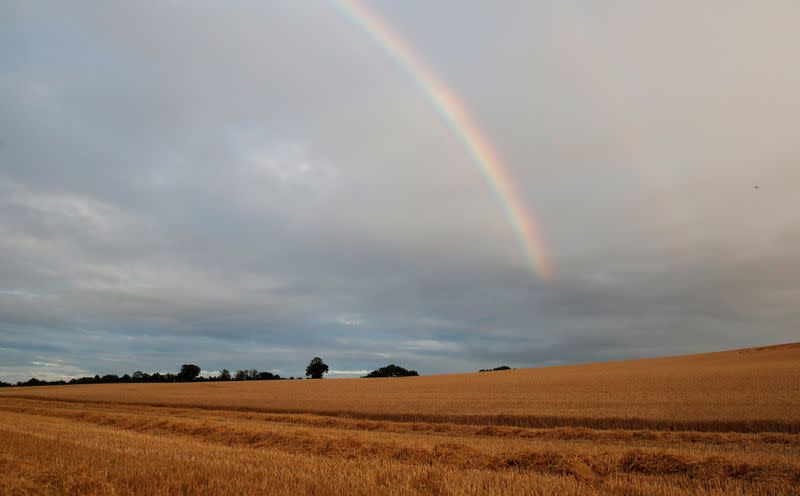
190,372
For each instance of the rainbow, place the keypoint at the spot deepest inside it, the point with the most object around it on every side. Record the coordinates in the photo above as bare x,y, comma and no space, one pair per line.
456,116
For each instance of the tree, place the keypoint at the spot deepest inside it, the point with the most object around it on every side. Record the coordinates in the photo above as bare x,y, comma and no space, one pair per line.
316,368
392,371
225,375
188,372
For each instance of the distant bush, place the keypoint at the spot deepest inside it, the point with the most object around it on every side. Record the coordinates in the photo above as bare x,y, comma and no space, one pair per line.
254,375
245,375
36,382
502,367
392,371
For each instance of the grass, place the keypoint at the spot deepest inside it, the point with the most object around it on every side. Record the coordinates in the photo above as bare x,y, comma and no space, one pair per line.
255,439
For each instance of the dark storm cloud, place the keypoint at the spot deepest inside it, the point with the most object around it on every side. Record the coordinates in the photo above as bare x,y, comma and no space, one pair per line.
249,185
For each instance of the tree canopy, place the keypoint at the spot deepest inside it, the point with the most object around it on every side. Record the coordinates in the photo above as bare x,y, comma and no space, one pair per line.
189,372
316,368
392,370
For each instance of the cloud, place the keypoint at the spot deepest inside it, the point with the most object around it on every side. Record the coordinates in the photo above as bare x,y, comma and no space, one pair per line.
263,185
431,345
23,294
349,372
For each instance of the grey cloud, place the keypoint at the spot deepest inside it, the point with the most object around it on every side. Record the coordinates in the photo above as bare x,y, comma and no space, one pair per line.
252,185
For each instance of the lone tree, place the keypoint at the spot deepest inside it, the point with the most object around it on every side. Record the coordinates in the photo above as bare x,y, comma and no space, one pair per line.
188,372
316,368
392,371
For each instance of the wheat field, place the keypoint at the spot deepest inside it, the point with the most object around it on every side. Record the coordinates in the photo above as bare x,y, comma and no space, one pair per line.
719,423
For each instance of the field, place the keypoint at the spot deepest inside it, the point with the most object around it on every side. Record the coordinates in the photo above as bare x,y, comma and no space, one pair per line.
719,423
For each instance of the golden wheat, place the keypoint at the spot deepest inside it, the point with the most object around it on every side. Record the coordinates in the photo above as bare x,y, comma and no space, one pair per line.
752,390
254,438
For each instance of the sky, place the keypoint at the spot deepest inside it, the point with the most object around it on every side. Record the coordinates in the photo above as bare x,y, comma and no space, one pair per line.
251,184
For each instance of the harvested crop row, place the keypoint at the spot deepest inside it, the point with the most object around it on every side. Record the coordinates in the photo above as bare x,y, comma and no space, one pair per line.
53,456
580,465
318,421
516,421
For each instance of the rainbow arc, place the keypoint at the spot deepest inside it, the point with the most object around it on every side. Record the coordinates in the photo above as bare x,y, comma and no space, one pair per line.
458,119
